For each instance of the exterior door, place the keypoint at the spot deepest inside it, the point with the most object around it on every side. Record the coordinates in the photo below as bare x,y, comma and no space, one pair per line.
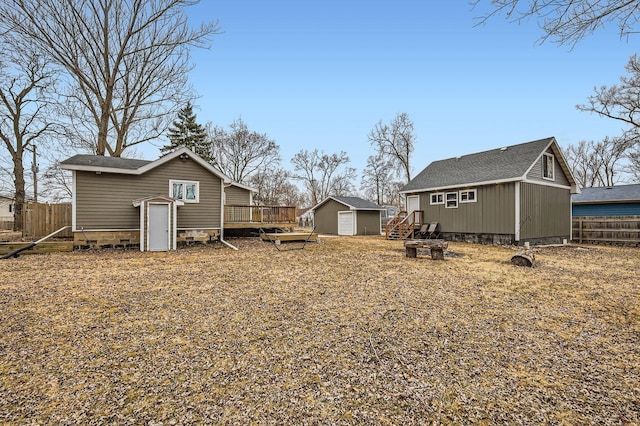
413,203
346,222
158,227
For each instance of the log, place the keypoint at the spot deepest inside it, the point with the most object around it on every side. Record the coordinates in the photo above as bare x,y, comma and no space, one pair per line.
523,258
435,247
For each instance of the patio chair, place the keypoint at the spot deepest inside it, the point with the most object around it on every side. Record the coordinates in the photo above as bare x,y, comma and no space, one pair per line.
428,231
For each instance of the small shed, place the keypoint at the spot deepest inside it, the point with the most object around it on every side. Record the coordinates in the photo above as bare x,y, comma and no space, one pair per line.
347,216
158,222
621,200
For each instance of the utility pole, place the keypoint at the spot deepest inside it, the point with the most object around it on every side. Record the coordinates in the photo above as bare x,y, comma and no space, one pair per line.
34,169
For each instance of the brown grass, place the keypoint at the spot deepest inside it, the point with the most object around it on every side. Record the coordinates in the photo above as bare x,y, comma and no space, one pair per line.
348,331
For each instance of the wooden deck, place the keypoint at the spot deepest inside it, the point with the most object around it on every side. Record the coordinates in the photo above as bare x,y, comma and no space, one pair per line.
288,236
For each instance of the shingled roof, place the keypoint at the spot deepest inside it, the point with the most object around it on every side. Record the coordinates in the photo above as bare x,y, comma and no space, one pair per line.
106,162
608,194
354,203
497,165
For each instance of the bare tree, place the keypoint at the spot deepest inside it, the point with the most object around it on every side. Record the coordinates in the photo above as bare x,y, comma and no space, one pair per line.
395,142
600,163
634,164
377,179
582,163
26,84
127,61
567,21
619,102
239,152
275,188
323,174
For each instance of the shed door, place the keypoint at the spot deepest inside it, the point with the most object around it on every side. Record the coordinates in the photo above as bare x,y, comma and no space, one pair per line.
158,227
346,223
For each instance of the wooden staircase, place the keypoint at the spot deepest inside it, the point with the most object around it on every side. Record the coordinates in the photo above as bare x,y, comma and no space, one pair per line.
403,225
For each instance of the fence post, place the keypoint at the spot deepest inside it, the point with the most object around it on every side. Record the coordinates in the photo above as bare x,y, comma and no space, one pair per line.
580,229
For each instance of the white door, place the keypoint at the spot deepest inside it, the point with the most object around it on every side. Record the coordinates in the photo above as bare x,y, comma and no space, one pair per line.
158,227
346,223
413,203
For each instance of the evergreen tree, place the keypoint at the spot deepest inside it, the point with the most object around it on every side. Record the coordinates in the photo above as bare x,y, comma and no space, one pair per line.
185,131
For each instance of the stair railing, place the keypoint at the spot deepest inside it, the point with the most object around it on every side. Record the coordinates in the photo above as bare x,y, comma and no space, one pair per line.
403,225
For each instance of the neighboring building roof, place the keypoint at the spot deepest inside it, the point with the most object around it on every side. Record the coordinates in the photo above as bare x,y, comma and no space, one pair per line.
100,163
504,164
354,203
608,194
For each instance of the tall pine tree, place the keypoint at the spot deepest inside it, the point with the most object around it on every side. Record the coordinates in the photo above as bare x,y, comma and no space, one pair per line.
185,131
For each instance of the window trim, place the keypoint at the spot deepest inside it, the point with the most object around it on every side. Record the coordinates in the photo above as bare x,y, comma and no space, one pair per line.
473,191
455,200
173,182
435,194
546,157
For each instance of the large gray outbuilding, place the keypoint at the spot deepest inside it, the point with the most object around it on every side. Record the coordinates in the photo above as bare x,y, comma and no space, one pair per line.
514,194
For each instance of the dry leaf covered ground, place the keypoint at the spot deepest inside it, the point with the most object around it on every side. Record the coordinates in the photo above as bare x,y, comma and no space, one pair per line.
347,331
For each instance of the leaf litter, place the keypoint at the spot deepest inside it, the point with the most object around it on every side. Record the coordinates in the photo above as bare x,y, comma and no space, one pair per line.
348,331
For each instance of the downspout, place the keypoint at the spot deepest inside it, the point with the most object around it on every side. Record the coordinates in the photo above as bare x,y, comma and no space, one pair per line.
517,211
222,196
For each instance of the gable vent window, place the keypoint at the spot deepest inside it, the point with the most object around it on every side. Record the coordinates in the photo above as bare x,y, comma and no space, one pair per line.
547,166
451,200
187,191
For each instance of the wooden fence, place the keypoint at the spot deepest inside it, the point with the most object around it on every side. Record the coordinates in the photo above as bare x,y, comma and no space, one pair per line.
607,229
40,220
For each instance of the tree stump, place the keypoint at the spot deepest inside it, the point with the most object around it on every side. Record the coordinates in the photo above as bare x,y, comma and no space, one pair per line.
523,258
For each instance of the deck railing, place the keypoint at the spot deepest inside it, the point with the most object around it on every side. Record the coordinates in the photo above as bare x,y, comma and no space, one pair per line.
259,214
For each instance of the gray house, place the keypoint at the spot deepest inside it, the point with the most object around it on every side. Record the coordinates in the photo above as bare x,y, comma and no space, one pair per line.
347,216
121,202
510,195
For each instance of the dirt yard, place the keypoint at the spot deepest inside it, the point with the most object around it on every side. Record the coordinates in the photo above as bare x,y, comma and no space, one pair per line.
347,331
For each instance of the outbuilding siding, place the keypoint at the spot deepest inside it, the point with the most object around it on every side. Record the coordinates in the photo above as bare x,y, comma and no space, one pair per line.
103,201
326,217
559,177
493,213
545,212
235,195
368,222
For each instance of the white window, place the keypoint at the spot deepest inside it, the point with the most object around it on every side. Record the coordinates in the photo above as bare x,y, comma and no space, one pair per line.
437,198
187,191
469,196
452,200
547,166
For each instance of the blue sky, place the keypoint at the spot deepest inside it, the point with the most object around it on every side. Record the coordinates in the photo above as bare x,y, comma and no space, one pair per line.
321,74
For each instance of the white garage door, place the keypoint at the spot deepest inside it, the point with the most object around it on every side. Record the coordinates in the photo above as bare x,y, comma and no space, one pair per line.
346,223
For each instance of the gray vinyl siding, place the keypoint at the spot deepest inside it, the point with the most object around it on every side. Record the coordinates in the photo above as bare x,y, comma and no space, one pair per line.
326,217
536,171
493,213
103,201
544,211
368,222
237,196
